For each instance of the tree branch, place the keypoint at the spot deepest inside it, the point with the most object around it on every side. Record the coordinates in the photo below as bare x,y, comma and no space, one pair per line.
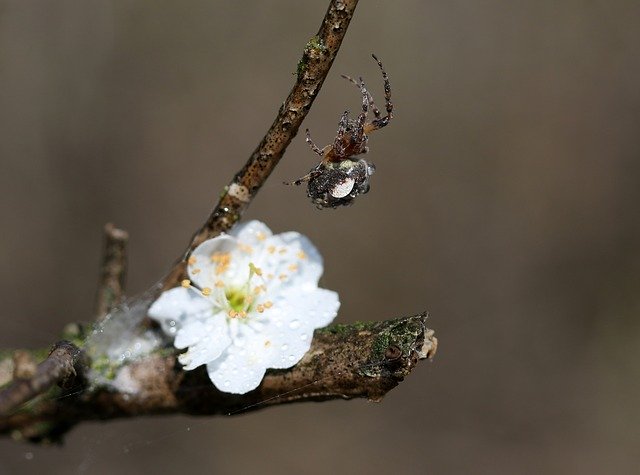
113,270
344,362
313,68
59,367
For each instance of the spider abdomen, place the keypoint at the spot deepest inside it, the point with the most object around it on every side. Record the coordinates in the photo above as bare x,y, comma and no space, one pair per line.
336,184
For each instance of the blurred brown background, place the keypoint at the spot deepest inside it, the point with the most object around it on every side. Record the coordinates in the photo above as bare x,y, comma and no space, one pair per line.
506,203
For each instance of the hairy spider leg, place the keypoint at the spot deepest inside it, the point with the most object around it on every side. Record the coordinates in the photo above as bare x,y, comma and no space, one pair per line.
378,123
309,176
338,143
372,104
359,136
313,146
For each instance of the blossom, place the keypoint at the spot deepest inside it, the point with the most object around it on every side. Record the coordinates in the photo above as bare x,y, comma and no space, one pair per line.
251,302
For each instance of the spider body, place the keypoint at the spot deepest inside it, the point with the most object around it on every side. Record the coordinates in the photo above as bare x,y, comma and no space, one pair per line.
339,177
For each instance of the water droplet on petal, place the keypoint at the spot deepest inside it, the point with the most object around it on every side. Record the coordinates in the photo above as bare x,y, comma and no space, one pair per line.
294,324
227,383
292,358
304,337
284,347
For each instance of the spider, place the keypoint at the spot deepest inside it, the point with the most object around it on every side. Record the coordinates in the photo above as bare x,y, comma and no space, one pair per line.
339,177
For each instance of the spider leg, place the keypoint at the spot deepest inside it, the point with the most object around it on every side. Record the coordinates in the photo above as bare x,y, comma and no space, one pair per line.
378,123
313,146
312,174
338,144
359,136
372,105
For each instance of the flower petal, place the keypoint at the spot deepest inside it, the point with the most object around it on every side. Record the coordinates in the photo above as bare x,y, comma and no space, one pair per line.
177,305
241,368
291,322
206,341
212,329
252,233
204,272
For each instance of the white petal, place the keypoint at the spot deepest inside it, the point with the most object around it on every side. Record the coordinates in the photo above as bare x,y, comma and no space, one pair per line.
214,329
252,233
241,368
292,320
289,260
176,305
203,271
307,257
206,341
316,308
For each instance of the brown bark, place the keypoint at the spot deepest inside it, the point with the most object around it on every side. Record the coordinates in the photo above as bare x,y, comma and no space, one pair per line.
363,360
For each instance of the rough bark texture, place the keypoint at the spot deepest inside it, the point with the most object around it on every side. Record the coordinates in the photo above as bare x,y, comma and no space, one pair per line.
59,367
345,361
113,271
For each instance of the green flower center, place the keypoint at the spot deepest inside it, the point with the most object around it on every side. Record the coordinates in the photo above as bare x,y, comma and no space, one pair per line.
237,299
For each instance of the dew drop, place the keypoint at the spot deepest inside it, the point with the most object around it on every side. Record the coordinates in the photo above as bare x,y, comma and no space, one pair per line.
294,324
284,347
292,358
227,383
304,337
28,455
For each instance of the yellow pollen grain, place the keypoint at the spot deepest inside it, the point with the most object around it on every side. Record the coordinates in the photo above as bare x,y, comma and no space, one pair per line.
245,248
268,304
293,267
260,308
195,271
243,314
192,260
267,343
261,236
271,249
222,261
301,255
233,313
282,277
186,283
219,283
206,291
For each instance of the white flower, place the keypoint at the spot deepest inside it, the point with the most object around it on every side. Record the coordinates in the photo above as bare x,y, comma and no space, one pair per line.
252,303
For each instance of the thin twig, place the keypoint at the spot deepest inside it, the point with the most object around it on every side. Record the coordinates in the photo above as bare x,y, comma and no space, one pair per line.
59,367
313,68
113,271
363,360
